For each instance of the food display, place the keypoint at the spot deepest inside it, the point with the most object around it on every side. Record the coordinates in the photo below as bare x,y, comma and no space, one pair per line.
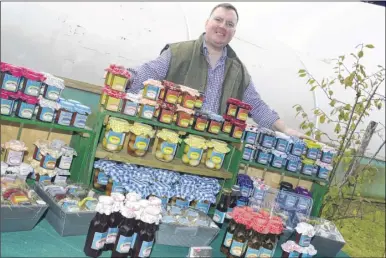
194,149
117,78
167,145
215,154
139,139
115,134
15,191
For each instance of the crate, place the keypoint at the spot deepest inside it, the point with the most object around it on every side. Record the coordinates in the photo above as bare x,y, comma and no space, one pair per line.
177,235
65,223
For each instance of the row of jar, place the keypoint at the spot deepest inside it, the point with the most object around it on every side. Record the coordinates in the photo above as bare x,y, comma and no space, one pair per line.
289,162
29,82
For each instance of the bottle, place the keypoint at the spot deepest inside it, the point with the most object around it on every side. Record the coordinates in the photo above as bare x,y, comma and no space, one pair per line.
124,241
228,236
233,201
268,243
255,242
145,238
114,221
222,207
240,237
97,231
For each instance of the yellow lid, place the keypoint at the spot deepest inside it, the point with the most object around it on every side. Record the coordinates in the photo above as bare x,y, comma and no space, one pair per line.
308,162
119,125
169,136
142,129
218,146
312,144
196,141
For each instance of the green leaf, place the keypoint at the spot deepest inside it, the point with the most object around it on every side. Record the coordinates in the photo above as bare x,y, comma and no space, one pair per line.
337,128
304,115
379,106
311,125
354,212
322,119
351,179
369,46
301,71
360,54
347,107
330,92
313,88
298,108
312,81
302,75
308,133
316,112
341,57
332,103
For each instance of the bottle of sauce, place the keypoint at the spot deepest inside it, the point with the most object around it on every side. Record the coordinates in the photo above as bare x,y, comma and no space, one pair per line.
114,220
97,232
240,238
233,202
228,236
255,242
222,207
126,236
268,244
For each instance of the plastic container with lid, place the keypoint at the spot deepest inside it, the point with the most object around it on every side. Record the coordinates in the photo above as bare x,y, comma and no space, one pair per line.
47,110
293,163
227,124
117,77
52,86
166,113
313,149
232,107
215,154
31,82
167,145
81,113
184,117
14,152
201,121
152,89
172,93
237,129
147,108
278,159
194,149
215,123
26,106
139,139
113,99
249,152
188,97
263,155
266,137
115,134
65,113
243,111
130,104
308,167
251,134
10,77
8,102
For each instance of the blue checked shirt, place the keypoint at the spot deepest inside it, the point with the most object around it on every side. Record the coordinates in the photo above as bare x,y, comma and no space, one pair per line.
157,69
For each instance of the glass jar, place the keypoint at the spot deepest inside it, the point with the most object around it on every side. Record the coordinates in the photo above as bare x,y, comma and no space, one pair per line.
251,134
31,83
188,97
115,134
47,110
282,142
297,147
232,107
65,160
100,180
113,100
184,117
263,155
266,138
327,154
172,93
52,87
278,159
8,101
26,106
167,112
308,167
147,108
313,149
199,100
293,163
215,123
215,154
243,111
39,144
249,152
14,152
79,118
201,121
167,145
193,150
151,89
139,139
237,129
131,104
227,124
10,77
49,158
323,169
65,113
118,78
179,202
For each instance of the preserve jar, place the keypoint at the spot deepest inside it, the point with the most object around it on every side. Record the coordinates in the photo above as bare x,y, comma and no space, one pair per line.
227,124
14,152
8,102
327,154
151,89
167,145
293,163
251,134
31,82
199,100
297,146
52,87
147,108
266,137
193,150
81,113
249,152
308,167
65,160
39,144
237,129
115,134
263,155
282,142
49,158
65,113
167,112
10,77
184,117
215,154
243,111
323,169
313,149
117,77
278,159
232,107
201,121
215,123
139,139
26,106
172,93
113,100
188,97
100,180
47,110
130,104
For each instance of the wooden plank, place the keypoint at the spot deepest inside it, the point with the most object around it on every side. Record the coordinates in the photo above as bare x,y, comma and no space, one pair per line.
84,86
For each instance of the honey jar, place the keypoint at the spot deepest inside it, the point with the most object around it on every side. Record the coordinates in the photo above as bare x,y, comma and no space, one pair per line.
52,87
237,129
139,139
227,124
31,82
193,150
131,104
147,108
215,154
215,123
172,93
188,97
167,145
113,100
26,106
232,107
243,111
115,134
199,100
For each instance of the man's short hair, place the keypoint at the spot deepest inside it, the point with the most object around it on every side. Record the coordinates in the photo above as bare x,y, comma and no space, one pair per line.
226,6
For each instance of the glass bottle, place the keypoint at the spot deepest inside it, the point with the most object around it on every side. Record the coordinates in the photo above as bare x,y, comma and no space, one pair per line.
240,237
268,244
233,201
114,220
254,242
222,207
228,236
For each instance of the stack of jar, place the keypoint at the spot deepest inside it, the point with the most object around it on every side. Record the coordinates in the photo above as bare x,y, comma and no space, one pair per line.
251,234
235,117
52,161
13,159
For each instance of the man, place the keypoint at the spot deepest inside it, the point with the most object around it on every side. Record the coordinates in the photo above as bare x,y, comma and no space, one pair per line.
210,65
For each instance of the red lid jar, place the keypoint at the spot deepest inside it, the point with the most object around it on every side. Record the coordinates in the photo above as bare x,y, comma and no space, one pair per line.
243,111
232,107
184,117
237,129
201,122
167,112
172,93
199,100
227,124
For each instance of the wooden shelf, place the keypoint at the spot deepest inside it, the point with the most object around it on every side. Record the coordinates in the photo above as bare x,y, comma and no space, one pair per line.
154,122
150,161
283,172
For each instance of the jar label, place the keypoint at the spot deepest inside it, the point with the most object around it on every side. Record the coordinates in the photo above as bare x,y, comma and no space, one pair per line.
32,88
265,253
214,127
277,162
242,114
117,187
145,249
115,138
267,141
124,244
245,191
102,179
303,203
166,117
189,103
10,82
99,240
147,111
131,108
228,214
327,157
195,153
202,206
263,158
52,93
237,133
228,239
250,137
6,106
237,248
227,128
151,92
247,154
290,201
307,169
80,120
292,166
65,162
26,110
111,235
258,194
323,173
171,98
198,103
183,122
45,178
14,158
217,158
281,145
182,203
49,162
297,150
312,153
46,114
200,125
252,253
141,143
304,240
232,110
65,118
219,216
168,148
119,83
295,254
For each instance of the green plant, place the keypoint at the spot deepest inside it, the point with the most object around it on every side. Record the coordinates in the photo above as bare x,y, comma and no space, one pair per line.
345,117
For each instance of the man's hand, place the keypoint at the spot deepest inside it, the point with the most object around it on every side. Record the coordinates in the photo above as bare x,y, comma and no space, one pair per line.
280,126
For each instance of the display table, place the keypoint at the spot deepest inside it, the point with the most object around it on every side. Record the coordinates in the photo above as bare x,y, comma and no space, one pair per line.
44,241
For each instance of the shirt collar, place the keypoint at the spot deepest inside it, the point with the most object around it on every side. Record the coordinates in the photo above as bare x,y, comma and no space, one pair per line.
206,53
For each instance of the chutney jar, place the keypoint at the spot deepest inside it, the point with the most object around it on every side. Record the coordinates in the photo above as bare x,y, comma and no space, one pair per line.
193,150
323,169
151,89
8,102
249,152
184,117
282,142
31,82
47,110
14,152
251,134
167,144
313,149
139,139
40,145
215,123
266,138
278,159
147,108
232,107
118,78
166,113
327,154
26,106
243,111
65,160
65,113
10,77
238,128
130,104
188,97
215,154
227,124
115,134
52,87
172,94
81,113
49,158
263,155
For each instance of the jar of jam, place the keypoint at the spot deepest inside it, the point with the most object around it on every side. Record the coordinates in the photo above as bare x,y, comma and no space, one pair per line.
232,107
103,97
188,97
131,104
167,143
65,113
100,180
115,134
243,111
251,134
39,144
297,147
147,108
49,158
263,155
278,159
237,129
172,93
249,152
327,154
47,110
266,137
10,77
113,100
193,150
31,83
52,87
81,113
167,112
14,152
201,121
227,124
199,100
308,167
139,139
26,106
215,123
118,78
293,163
8,101
65,160
215,154
313,149
285,186
184,117
323,169
152,89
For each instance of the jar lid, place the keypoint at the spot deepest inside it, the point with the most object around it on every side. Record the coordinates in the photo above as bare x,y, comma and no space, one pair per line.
14,145
216,117
250,146
312,144
196,141
48,103
228,118
29,99
252,128
68,151
153,83
114,93
82,109
119,125
118,70
279,154
168,83
186,110
149,102
245,106
238,123
14,70
67,105
263,149
142,129
293,157
201,114
219,146
168,135
286,184
266,131
32,75
190,91
233,101
168,106
133,97
308,162
53,81
324,165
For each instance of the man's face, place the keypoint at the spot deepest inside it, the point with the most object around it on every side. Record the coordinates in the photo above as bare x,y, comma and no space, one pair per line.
221,27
